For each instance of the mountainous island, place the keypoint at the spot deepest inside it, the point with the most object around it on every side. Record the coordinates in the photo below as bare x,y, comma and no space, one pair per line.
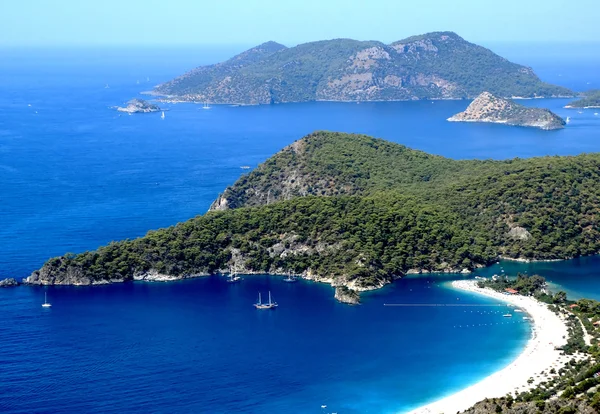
439,65
591,99
356,211
138,106
489,108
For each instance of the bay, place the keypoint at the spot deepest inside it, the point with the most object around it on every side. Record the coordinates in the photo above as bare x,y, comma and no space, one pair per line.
75,175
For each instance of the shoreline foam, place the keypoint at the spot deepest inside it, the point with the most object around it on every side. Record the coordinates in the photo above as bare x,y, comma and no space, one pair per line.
539,355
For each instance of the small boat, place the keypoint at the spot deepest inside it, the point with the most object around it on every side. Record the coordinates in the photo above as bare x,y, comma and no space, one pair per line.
525,318
106,86
162,116
507,315
233,278
518,310
206,106
245,167
269,305
46,304
568,120
290,279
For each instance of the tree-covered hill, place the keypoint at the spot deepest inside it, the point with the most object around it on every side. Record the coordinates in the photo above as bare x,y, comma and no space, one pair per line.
438,65
359,211
590,99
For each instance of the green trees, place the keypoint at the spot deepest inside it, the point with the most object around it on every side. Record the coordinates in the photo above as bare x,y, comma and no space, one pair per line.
346,69
366,209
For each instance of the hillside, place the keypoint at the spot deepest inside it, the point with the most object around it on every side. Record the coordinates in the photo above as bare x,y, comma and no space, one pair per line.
591,99
489,108
357,211
438,65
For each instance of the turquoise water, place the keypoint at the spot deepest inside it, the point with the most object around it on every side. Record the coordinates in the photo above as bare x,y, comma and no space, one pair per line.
580,277
75,175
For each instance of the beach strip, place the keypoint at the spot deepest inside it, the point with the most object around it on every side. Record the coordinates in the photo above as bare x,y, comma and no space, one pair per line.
549,331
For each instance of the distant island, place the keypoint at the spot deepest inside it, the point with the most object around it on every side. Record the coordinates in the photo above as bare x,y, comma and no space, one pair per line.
591,99
439,65
355,211
139,106
489,108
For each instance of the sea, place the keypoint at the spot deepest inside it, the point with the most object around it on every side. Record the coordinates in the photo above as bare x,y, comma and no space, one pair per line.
76,174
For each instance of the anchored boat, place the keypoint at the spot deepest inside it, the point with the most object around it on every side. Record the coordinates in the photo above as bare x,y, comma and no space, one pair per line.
269,305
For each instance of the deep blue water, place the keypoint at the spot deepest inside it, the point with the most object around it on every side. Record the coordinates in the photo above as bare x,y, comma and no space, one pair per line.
200,346
75,175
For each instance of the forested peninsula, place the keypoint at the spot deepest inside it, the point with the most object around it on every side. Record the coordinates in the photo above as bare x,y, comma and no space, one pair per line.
438,65
590,99
356,211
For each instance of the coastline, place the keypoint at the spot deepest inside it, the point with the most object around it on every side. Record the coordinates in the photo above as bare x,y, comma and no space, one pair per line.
538,355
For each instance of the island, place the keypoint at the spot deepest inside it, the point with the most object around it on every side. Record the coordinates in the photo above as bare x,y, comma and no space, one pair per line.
138,106
9,282
490,108
438,65
590,99
351,210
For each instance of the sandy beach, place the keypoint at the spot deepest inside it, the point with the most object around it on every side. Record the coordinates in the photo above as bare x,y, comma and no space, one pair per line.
539,355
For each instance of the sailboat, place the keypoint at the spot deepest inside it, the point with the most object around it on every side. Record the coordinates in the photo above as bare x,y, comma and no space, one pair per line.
568,120
46,304
233,278
290,278
206,106
162,116
260,305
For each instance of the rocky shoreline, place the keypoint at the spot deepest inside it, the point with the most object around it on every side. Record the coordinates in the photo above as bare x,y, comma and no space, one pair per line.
347,290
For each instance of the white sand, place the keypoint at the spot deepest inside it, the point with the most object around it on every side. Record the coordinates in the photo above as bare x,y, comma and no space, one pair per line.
539,355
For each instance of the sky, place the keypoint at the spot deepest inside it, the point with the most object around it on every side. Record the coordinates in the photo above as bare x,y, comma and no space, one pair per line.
250,22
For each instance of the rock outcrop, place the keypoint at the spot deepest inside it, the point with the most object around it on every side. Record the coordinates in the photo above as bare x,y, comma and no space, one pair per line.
346,295
138,106
490,108
9,282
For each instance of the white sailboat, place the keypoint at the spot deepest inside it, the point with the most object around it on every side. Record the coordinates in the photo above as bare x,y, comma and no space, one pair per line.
46,304
260,305
233,277
568,120
206,106
162,116
290,278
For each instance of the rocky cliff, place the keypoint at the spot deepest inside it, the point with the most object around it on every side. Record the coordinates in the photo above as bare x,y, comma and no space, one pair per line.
490,108
439,65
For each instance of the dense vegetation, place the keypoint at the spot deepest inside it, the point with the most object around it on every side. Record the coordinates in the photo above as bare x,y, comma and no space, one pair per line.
591,99
437,65
365,210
